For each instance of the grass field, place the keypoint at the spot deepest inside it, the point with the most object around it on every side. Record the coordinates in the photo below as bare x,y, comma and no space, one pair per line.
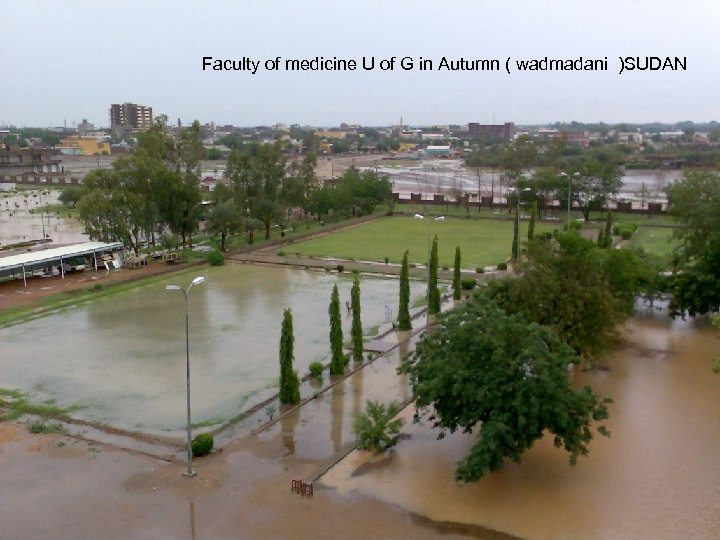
482,242
656,240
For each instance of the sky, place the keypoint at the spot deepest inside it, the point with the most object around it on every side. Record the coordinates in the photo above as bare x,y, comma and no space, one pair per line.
62,62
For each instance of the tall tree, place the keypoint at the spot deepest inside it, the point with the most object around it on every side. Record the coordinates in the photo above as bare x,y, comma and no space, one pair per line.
404,321
337,362
607,236
356,331
289,380
593,185
456,285
224,219
493,374
433,292
516,237
695,204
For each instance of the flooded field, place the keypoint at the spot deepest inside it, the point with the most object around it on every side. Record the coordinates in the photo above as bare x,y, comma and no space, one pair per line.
22,219
121,358
655,477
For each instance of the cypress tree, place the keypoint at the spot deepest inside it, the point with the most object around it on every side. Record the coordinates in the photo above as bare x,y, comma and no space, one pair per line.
516,236
433,292
289,380
356,331
404,322
456,275
337,363
533,218
608,230
601,239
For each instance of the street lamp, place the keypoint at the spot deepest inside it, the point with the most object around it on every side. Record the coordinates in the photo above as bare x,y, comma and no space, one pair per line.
197,281
565,175
517,216
429,222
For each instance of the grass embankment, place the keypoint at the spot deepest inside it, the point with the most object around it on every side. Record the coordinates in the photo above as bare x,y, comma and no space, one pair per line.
75,297
482,242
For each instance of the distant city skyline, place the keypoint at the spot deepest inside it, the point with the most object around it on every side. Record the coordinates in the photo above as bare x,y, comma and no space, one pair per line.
74,64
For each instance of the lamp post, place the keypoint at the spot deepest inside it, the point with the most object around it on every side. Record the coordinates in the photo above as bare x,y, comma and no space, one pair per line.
565,175
429,222
518,193
197,281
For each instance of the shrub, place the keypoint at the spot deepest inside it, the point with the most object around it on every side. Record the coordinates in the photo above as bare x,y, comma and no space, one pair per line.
375,428
387,260
340,268
316,369
98,286
281,253
502,266
479,270
216,258
446,268
202,444
625,234
468,284
548,235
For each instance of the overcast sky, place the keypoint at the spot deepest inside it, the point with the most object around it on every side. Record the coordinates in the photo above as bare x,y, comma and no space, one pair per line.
65,61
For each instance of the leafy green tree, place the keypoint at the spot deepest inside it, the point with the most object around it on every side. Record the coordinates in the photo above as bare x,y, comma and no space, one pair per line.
356,330
375,428
289,380
533,219
593,184
404,321
224,219
71,195
494,374
563,285
695,205
337,362
516,237
433,292
456,285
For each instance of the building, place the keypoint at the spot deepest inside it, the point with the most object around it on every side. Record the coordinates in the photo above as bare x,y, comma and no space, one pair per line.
84,146
130,117
436,151
496,131
31,166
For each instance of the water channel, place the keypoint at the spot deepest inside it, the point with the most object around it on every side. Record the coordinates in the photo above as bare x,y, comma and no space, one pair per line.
121,358
655,477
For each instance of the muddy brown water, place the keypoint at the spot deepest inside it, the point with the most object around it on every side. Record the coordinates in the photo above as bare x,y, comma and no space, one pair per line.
655,477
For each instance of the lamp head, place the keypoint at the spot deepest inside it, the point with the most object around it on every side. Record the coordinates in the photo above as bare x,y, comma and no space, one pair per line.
198,280
172,287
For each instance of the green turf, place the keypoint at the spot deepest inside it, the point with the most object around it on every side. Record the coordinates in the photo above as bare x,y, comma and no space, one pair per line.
656,240
482,242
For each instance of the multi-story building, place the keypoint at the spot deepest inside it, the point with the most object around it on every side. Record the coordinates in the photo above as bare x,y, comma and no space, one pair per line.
84,146
498,131
130,117
31,166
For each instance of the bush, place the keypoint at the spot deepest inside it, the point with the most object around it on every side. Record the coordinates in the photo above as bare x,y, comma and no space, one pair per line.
216,258
446,268
280,253
626,234
340,268
574,226
548,235
387,260
624,229
375,428
202,444
479,270
98,286
468,284
316,369
502,266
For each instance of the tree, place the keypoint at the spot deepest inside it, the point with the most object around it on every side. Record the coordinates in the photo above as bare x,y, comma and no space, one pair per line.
593,184
375,429
71,195
490,373
404,322
563,285
695,204
224,219
533,218
289,381
456,285
356,331
607,235
433,292
516,237
337,362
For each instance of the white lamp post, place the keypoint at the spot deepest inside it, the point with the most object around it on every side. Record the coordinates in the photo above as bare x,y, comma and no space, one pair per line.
197,281
565,175
429,222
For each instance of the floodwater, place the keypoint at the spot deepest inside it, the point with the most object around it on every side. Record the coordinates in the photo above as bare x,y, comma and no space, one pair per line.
122,357
655,477
19,224
440,176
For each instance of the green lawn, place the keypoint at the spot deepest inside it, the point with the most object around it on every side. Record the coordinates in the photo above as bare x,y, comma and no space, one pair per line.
656,240
482,242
